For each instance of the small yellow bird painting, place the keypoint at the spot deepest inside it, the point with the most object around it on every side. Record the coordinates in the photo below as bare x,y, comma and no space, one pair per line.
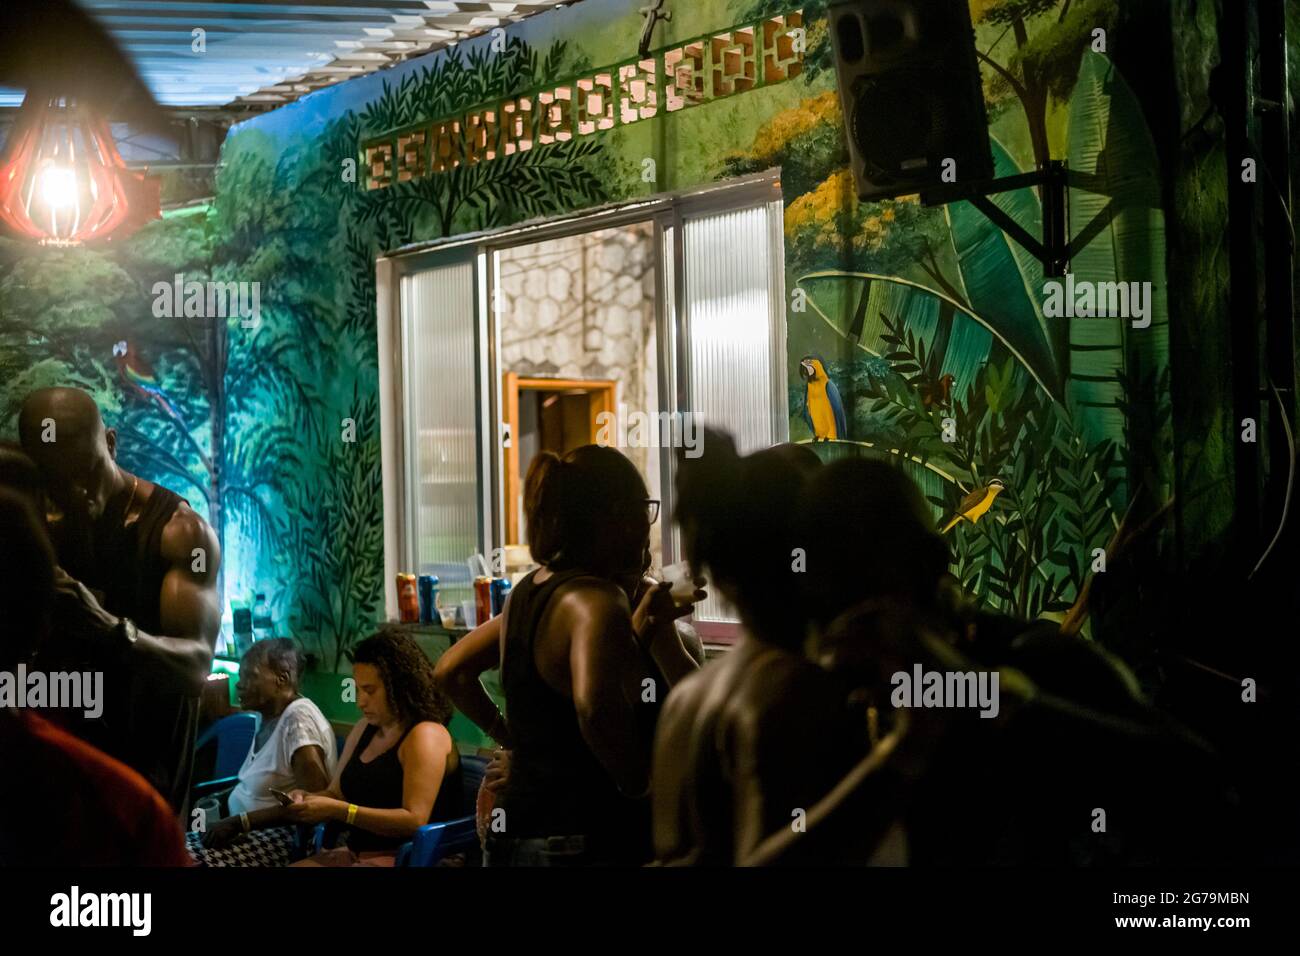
976,504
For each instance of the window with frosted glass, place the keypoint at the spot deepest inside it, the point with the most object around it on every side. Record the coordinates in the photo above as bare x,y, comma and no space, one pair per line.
733,325
441,433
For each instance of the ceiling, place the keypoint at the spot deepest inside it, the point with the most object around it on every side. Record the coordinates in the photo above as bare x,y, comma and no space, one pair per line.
260,54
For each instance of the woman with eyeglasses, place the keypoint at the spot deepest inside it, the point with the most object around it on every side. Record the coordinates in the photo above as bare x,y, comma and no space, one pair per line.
588,650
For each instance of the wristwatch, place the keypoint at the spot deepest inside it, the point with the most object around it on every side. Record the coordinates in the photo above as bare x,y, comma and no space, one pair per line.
126,633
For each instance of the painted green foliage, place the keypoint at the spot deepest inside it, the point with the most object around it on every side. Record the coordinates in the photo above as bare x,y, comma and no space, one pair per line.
248,423
543,181
898,297
328,535
937,334
84,317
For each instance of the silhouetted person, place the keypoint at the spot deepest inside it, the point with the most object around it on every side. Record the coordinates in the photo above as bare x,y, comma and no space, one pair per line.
1071,735
757,736
18,473
62,802
136,591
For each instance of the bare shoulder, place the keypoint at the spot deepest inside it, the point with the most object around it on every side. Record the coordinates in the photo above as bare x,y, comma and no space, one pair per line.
589,598
185,531
779,690
428,735
692,703
694,691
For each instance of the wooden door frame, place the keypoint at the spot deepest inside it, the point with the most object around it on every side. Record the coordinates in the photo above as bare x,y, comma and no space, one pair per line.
604,391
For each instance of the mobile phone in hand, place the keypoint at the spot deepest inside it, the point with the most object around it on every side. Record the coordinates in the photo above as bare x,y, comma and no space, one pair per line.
281,796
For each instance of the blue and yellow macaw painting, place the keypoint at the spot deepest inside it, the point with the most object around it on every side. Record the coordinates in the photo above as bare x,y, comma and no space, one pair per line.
823,411
919,333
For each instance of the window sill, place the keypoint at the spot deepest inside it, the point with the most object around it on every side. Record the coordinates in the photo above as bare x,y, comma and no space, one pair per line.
719,633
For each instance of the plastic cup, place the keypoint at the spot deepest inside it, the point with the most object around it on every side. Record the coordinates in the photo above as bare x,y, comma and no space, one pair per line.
683,583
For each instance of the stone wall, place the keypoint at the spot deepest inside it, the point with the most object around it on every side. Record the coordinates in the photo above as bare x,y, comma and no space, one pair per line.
583,307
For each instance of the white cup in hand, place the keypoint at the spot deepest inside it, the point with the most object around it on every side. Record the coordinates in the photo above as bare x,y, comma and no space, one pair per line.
683,584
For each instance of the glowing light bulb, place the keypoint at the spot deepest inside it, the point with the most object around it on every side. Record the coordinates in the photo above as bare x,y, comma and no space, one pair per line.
58,186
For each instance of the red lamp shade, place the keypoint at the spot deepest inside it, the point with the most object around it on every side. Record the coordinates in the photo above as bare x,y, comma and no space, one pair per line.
62,180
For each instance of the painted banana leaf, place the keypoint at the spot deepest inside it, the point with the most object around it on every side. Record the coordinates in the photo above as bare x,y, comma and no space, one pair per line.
1003,282
1023,206
1118,226
837,296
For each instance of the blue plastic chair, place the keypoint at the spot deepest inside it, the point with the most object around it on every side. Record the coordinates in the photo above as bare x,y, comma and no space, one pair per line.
434,841
234,739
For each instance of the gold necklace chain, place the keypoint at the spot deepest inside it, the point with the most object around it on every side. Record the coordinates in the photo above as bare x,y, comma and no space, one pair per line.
127,511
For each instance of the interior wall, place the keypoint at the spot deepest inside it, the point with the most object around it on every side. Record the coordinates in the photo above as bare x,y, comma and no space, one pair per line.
301,510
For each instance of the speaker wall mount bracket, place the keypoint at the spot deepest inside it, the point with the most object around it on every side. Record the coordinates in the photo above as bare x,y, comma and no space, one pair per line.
1054,249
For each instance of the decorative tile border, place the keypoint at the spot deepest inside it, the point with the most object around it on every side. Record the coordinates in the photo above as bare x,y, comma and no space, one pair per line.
684,75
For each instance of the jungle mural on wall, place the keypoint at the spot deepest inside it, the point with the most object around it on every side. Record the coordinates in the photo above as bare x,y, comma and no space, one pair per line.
933,329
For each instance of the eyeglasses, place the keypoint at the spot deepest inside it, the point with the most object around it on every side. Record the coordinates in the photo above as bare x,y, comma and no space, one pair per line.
652,509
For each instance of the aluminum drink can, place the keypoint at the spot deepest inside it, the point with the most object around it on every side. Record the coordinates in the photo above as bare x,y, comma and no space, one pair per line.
482,599
500,591
408,599
428,587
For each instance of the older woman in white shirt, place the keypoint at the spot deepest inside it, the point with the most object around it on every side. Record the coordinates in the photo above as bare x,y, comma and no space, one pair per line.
294,748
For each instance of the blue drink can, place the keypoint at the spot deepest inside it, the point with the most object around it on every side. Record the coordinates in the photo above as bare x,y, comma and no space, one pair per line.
500,589
428,586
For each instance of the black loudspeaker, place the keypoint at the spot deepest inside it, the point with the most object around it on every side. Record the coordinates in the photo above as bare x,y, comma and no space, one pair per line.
910,89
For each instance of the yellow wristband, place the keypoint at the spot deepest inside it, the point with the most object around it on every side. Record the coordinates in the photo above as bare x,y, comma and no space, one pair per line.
243,818
352,813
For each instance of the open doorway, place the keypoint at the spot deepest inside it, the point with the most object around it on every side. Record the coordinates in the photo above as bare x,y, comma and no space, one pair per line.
546,414
576,332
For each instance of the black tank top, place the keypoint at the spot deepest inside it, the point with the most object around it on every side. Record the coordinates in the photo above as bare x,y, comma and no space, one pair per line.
150,730
130,566
378,784
556,786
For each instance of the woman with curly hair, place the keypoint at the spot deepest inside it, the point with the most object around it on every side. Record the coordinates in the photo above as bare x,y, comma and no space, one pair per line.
399,769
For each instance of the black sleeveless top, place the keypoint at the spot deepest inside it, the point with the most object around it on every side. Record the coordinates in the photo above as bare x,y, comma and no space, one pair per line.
556,786
149,729
378,784
129,563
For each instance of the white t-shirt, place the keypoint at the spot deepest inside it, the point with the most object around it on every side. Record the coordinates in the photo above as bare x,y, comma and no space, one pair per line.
300,725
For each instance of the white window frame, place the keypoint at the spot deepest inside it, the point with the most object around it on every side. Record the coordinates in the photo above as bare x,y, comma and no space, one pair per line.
394,396
668,214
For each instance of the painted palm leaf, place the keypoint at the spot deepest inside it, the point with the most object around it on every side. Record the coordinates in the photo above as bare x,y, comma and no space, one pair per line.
931,479
855,305
1004,282
1117,224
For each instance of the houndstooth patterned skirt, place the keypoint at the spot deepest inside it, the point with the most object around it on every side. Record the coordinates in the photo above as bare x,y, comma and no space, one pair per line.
269,847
